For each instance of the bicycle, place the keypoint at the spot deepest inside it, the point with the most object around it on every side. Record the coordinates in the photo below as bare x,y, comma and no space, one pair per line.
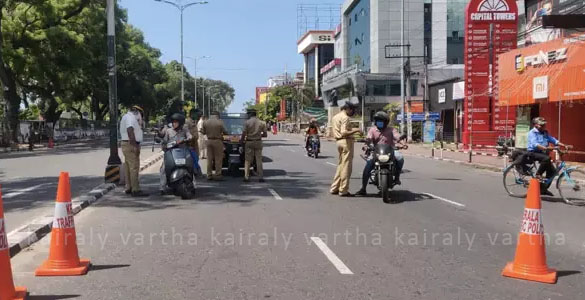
571,188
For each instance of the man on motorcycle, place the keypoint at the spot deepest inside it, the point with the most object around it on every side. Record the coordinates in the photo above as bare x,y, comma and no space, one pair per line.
383,134
178,132
312,130
538,148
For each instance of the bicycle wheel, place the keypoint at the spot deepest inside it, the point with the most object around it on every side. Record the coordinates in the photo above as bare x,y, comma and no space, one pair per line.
571,186
516,183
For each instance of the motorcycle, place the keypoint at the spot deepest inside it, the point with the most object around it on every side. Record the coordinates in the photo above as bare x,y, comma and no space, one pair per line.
179,169
382,176
313,147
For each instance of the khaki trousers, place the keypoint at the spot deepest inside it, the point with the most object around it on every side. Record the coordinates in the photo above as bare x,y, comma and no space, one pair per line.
344,167
132,164
253,151
214,157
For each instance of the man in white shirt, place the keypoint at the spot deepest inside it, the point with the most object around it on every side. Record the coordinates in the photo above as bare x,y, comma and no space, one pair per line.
132,135
202,138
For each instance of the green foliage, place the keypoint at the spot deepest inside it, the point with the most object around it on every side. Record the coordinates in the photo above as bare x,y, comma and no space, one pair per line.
30,113
53,53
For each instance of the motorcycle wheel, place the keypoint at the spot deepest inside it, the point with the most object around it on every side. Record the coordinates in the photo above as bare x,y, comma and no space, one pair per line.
384,188
233,170
185,190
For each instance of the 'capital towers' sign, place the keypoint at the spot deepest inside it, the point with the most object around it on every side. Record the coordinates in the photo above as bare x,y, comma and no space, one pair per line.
490,29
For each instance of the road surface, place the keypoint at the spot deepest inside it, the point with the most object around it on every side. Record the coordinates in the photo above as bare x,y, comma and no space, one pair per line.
449,237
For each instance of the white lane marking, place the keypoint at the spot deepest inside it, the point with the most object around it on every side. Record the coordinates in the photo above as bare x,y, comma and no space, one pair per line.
22,191
330,163
341,267
275,194
445,200
291,150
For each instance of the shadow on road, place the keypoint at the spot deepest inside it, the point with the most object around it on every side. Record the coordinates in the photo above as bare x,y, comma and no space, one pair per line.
63,149
42,191
107,267
567,273
54,297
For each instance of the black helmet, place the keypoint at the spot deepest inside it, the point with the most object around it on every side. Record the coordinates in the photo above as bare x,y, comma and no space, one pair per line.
348,105
382,116
178,117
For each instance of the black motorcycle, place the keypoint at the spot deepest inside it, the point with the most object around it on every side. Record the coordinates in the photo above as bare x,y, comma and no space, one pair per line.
179,169
313,146
382,175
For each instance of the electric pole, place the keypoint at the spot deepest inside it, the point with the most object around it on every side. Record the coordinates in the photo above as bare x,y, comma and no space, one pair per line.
112,173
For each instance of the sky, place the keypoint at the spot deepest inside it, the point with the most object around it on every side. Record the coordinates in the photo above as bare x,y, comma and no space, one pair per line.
248,40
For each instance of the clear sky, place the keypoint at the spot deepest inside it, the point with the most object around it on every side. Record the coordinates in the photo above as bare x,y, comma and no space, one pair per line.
248,40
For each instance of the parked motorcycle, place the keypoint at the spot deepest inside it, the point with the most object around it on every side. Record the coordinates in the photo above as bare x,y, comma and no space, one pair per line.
179,169
313,147
382,176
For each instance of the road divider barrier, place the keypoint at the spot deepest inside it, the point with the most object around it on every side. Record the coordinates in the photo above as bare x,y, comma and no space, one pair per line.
7,289
530,260
63,254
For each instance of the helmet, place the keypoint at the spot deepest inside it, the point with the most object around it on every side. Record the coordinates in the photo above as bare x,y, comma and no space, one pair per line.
539,121
348,105
178,117
382,116
313,120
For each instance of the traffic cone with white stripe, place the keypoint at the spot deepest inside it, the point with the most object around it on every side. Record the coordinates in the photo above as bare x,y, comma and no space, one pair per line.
63,255
7,289
530,260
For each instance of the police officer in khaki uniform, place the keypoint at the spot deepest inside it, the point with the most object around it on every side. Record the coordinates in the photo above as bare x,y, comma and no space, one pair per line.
214,129
254,130
343,134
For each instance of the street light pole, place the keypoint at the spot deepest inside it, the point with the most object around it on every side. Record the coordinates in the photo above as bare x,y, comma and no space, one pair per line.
195,59
182,8
113,168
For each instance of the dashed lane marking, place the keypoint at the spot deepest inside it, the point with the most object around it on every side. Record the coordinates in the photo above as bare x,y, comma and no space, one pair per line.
275,194
341,267
444,200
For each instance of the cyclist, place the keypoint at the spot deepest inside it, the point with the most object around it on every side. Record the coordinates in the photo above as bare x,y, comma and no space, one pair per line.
538,148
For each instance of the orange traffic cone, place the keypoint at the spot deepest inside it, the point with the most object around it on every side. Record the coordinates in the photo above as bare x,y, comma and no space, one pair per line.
7,289
530,260
63,256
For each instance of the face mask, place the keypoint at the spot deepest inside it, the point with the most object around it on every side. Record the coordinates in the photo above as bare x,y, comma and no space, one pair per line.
379,124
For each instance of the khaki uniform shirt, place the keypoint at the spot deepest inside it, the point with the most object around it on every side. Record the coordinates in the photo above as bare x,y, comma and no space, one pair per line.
214,129
253,129
191,125
341,125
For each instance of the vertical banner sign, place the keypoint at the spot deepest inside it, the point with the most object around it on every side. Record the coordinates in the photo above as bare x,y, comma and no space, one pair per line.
490,29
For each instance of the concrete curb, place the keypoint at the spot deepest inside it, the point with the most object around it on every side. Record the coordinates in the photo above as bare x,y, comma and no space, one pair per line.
32,232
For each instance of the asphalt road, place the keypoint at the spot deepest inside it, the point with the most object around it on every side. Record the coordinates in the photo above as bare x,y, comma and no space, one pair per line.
29,179
449,237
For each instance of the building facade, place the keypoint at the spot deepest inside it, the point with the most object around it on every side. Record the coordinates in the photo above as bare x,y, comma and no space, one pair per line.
368,49
317,48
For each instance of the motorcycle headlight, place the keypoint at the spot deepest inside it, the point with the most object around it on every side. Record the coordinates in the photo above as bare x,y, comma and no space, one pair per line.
384,158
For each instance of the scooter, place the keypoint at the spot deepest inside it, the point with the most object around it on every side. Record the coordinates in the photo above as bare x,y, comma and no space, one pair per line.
382,175
313,148
179,169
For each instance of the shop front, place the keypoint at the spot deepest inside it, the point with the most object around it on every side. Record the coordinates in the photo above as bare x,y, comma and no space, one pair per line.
547,80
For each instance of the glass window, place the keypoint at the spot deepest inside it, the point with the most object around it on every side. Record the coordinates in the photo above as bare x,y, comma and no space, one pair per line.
358,36
379,90
395,88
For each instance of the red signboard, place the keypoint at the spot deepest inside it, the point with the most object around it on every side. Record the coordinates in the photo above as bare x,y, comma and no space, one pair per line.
491,29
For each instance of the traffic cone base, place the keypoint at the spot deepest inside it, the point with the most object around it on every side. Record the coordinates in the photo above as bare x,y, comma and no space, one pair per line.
48,268
547,276
20,293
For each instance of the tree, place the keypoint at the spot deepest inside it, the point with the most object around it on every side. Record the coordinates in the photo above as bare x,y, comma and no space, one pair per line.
25,29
